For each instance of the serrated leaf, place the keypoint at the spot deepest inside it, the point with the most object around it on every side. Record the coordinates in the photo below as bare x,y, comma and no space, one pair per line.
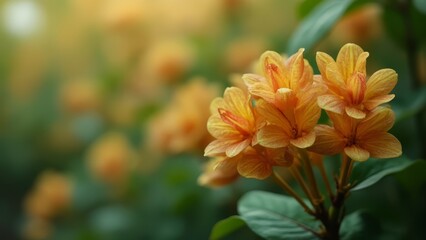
274,216
368,173
226,226
359,225
317,24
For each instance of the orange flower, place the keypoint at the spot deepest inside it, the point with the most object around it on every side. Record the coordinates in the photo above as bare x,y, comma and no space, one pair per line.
359,139
218,174
292,124
256,162
293,73
232,123
346,79
286,99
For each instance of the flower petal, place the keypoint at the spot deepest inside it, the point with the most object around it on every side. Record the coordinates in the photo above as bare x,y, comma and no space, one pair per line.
356,153
304,141
296,66
272,114
335,80
273,137
382,145
216,104
219,129
331,103
219,172
233,150
226,165
356,86
381,83
355,112
327,141
347,59
323,59
259,87
254,166
250,79
307,114
264,91
285,101
379,120
238,102
273,68
372,103
361,63
217,147
342,123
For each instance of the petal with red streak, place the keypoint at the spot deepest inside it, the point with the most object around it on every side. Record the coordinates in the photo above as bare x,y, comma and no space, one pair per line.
219,129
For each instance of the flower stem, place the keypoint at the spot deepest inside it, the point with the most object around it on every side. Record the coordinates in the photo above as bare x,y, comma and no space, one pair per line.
310,175
325,179
345,171
296,174
290,191
336,211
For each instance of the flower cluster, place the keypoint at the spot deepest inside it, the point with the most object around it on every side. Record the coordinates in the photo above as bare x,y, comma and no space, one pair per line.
274,122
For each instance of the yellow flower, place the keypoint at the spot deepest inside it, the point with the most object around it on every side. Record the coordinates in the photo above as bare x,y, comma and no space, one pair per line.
293,73
232,123
258,162
286,99
359,139
254,162
218,174
346,79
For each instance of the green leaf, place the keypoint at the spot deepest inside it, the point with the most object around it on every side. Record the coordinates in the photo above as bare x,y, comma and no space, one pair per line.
317,24
274,216
359,225
306,7
420,5
226,226
368,173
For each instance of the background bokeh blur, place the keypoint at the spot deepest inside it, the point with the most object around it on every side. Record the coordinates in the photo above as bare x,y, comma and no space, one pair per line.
104,104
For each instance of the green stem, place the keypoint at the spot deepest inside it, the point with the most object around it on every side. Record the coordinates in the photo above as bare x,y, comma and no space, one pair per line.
325,179
299,179
310,175
290,191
